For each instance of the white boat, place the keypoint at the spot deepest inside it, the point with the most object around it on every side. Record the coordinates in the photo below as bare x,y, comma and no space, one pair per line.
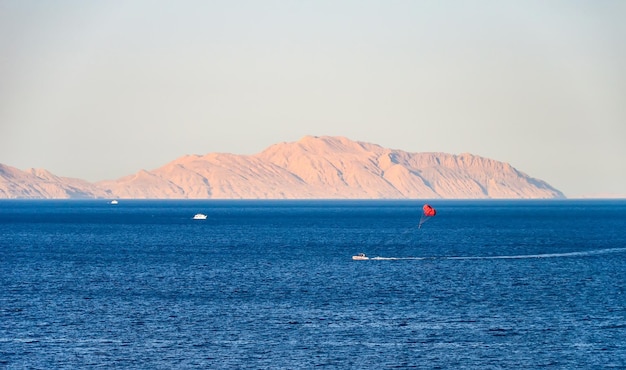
113,201
360,257
199,216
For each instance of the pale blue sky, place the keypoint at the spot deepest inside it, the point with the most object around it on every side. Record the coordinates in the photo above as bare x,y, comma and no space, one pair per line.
101,89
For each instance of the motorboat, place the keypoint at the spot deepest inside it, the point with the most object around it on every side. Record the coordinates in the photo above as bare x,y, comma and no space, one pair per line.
360,257
113,201
199,216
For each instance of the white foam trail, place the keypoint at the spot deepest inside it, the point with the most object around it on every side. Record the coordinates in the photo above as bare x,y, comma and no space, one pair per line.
521,256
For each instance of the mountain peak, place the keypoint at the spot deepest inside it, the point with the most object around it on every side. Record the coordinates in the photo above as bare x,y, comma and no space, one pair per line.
317,144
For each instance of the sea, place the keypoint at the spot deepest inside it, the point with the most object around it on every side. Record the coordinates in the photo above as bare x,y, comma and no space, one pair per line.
489,284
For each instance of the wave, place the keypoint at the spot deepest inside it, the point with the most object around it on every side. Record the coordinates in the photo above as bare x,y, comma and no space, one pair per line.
518,256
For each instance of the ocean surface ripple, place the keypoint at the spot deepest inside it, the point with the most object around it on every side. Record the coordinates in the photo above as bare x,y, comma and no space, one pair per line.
272,284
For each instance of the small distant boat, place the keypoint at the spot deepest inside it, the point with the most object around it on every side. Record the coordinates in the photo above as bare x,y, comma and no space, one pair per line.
113,202
199,216
360,257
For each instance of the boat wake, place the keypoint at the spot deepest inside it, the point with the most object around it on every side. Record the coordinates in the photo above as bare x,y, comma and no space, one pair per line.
520,256
548,255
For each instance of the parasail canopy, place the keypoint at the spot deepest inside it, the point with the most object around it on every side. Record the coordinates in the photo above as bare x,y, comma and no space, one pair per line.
429,212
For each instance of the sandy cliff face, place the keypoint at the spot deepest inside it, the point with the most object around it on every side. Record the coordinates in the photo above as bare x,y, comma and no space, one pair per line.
313,167
41,184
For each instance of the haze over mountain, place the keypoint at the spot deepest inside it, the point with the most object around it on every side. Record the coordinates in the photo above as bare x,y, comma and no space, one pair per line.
311,168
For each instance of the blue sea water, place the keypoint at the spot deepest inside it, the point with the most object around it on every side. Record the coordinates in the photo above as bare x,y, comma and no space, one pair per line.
271,284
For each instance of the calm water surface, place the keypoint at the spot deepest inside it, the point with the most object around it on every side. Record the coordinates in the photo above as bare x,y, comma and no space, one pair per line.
271,284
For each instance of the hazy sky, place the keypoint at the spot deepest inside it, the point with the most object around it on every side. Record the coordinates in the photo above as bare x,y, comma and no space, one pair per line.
101,89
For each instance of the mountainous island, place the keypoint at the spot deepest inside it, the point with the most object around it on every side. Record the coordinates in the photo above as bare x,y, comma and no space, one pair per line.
312,168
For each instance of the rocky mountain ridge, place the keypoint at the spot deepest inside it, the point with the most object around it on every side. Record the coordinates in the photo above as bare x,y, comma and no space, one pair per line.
312,168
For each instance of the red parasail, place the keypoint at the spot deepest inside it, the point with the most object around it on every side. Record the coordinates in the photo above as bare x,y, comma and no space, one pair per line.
428,213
